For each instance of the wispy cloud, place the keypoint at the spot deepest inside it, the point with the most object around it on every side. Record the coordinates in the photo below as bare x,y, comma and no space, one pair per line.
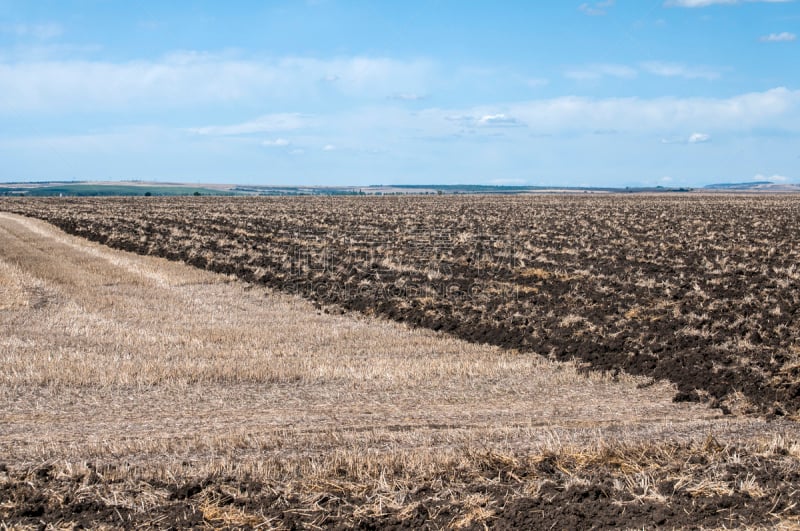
677,120
778,107
706,3
657,68
681,70
694,138
498,120
475,119
329,147
263,124
784,36
597,71
189,78
699,138
278,142
595,9
376,136
46,31
407,96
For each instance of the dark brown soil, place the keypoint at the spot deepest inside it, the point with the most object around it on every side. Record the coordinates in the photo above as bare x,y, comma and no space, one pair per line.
703,291
690,488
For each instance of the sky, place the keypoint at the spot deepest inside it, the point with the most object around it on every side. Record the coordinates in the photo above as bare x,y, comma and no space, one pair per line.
356,92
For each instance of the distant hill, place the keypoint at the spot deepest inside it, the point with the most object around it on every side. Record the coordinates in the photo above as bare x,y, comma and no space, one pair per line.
753,186
737,186
85,189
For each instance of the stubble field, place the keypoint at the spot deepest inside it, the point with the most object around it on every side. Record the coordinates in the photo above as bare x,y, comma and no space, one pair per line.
700,291
535,361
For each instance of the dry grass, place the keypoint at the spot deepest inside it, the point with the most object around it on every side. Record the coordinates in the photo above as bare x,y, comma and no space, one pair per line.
157,323
472,487
161,371
185,358
662,285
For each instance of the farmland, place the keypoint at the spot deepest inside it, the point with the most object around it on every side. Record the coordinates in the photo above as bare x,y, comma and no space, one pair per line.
701,291
377,361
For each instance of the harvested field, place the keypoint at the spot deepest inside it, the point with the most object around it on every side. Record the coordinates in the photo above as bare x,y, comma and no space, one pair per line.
702,291
142,392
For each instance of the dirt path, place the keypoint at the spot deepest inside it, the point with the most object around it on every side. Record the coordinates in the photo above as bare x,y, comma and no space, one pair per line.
114,358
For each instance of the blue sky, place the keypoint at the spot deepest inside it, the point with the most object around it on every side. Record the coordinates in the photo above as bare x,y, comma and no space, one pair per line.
327,92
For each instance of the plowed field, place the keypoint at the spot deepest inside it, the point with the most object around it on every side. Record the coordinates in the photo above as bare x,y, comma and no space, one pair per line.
702,291
510,363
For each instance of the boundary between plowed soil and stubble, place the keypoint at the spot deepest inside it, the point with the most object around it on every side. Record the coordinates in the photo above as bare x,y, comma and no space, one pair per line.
143,392
702,291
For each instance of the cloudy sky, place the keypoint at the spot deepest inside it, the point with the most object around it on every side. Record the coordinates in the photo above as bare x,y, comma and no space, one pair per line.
625,92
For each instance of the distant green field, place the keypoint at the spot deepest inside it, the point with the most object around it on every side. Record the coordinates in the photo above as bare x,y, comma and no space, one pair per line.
83,190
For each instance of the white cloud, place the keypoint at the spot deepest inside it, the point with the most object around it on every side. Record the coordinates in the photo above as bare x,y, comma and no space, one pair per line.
371,127
663,69
45,51
329,147
263,124
779,107
687,121
467,122
407,96
189,78
658,68
297,151
498,120
368,75
699,138
596,8
278,142
706,3
694,138
597,71
784,36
